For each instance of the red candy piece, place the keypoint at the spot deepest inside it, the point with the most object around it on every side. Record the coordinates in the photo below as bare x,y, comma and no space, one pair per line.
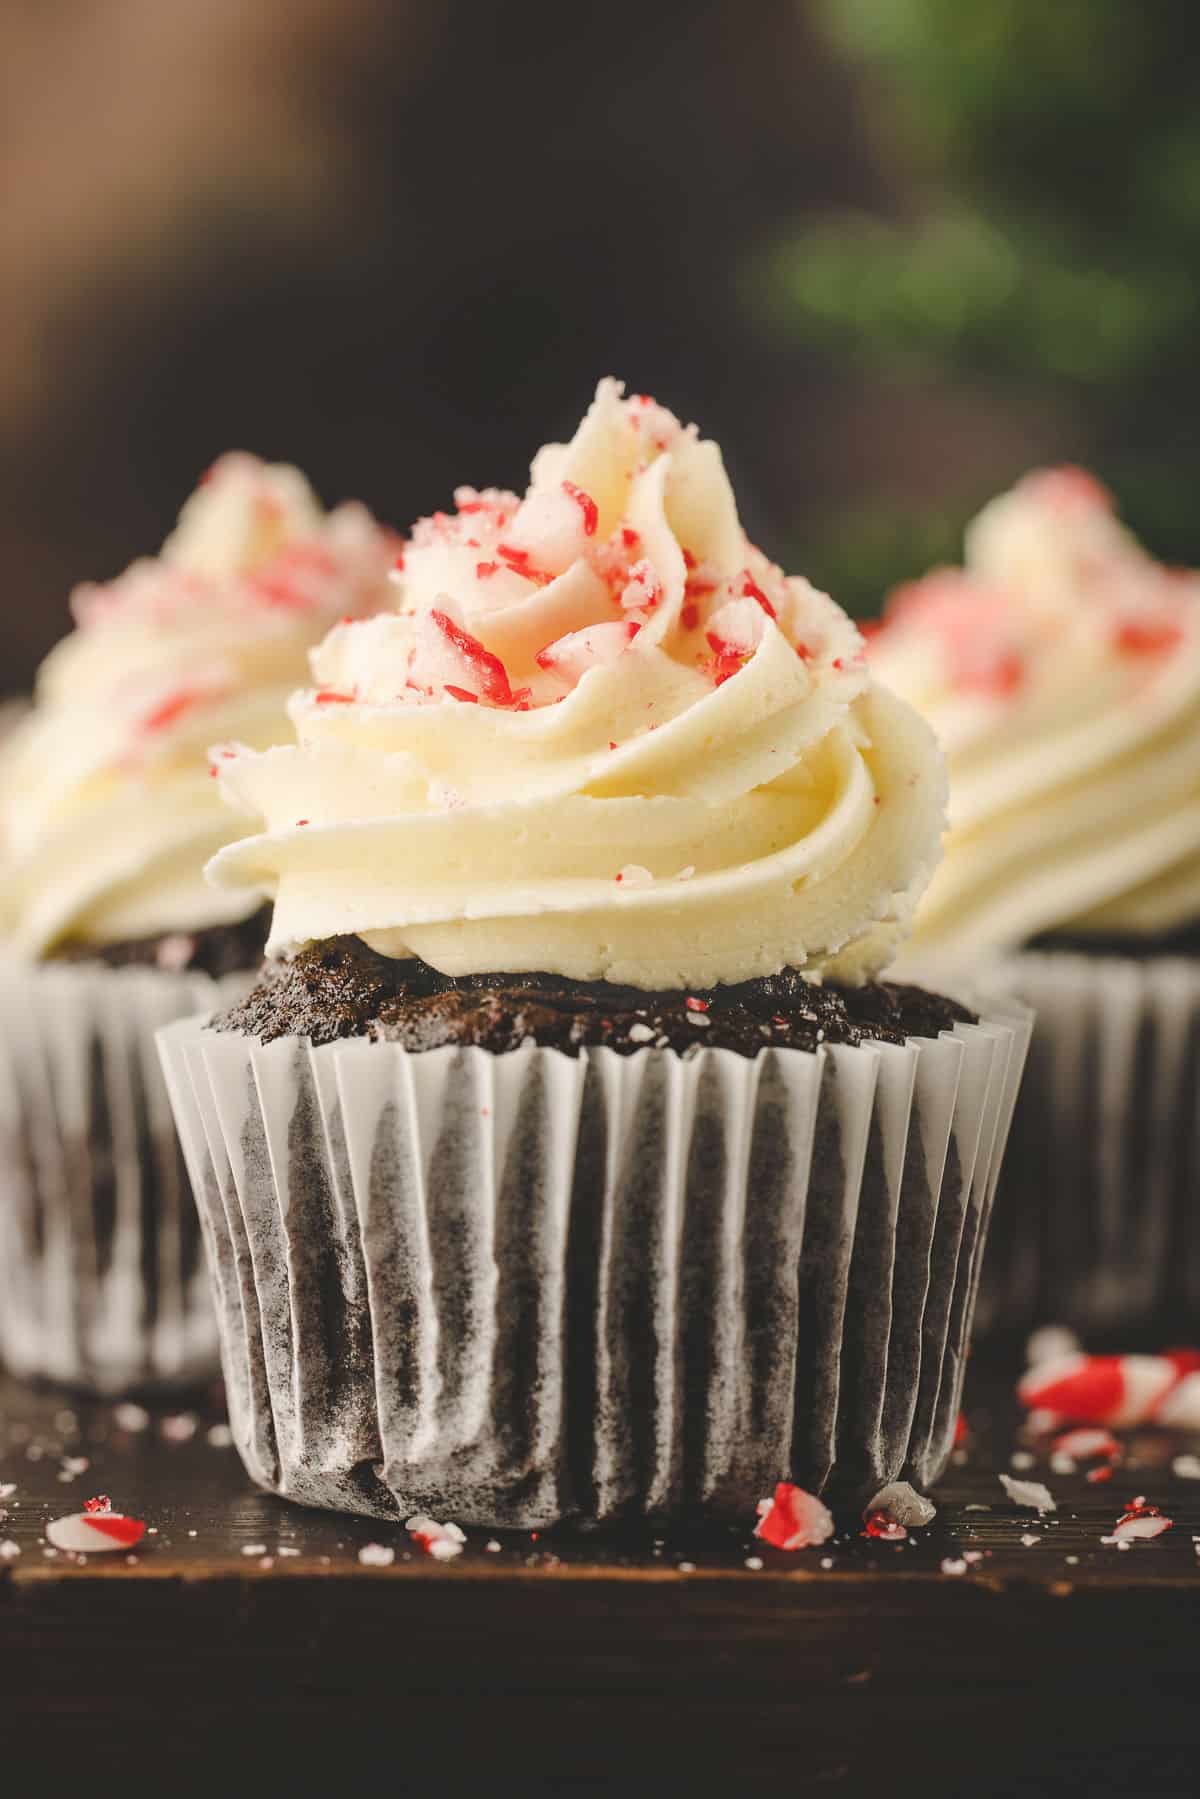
491,672
126,1531
173,707
878,1524
101,1503
753,591
586,505
794,1519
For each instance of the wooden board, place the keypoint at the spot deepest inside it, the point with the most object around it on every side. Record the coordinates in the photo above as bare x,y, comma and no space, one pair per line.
619,1662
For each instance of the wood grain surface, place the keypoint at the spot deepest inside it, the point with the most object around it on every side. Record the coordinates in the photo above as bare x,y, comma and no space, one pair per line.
244,1640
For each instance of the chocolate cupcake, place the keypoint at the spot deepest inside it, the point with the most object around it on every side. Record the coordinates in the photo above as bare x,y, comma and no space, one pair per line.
1061,669
107,816
569,1161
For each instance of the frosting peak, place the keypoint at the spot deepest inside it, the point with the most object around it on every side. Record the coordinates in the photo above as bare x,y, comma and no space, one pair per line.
1061,669
601,735
107,810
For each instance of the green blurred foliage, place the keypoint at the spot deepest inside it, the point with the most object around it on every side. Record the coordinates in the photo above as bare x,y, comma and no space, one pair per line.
1049,158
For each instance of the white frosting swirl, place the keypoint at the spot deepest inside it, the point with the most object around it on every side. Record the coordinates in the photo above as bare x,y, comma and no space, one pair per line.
107,809
602,736
1061,670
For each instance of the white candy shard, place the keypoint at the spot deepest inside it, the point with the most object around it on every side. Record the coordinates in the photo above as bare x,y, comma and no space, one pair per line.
1028,1492
1049,1343
376,1555
904,1504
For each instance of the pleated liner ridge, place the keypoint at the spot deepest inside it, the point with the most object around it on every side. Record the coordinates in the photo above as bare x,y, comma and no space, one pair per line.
525,1288
1098,1220
102,1277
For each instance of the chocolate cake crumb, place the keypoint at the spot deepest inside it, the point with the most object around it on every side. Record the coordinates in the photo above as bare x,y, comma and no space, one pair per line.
341,988
217,950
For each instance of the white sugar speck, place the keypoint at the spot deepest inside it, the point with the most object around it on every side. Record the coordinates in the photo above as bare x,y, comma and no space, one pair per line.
1028,1542
286,1549
1020,1458
254,1549
180,1428
754,1562
951,1565
1186,1467
1061,1463
130,1417
641,1033
9,1551
219,1436
827,1562
376,1555
686,1567
492,1547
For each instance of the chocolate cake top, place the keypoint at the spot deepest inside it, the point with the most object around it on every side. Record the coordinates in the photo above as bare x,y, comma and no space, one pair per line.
341,988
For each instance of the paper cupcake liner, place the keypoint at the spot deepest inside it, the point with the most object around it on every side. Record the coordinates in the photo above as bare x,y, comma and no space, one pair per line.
102,1278
1098,1218
527,1288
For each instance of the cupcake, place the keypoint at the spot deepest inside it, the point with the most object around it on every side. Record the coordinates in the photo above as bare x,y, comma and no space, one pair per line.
1061,670
570,1161
108,813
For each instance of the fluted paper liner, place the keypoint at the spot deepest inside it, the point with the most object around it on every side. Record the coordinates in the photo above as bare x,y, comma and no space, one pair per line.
1098,1217
516,1289
102,1278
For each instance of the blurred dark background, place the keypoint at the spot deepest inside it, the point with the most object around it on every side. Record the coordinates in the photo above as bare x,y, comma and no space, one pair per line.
888,252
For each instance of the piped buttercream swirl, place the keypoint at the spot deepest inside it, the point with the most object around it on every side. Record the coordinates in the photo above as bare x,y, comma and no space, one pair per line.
107,809
602,736
1060,668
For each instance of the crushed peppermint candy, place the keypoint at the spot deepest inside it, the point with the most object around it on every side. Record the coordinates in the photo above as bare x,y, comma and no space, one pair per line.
793,1519
1138,1525
180,1428
89,1533
376,1555
888,1530
1084,1444
442,1541
640,1033
1028,1493
900,1501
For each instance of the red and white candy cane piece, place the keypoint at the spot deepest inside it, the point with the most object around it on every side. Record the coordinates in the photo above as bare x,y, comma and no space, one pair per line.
90,1533
1181,1407
793,1519
1115,1390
